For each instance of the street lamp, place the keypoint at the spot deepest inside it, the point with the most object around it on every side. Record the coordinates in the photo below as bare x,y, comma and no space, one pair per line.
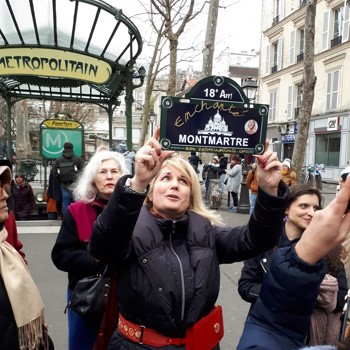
249,87
129,99
152,118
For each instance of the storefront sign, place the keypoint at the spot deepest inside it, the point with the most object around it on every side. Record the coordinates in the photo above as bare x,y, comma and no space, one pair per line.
215,116
53,63
288,138
332,124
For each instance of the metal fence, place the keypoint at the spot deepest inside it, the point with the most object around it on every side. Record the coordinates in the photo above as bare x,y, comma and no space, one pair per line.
32,169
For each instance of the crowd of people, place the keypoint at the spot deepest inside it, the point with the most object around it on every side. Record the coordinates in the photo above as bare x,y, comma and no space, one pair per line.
149,227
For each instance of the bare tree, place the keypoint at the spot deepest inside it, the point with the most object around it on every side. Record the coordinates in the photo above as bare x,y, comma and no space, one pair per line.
208,51
23,146
309,82
176,15
164,17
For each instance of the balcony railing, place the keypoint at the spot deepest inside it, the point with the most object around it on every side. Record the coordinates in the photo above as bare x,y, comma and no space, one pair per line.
276,20
274,69
300,57
336,41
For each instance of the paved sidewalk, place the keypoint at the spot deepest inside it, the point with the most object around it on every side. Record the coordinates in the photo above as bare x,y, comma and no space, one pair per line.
38,226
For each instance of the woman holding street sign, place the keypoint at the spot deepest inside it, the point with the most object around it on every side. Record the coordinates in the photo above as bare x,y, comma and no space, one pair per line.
167,248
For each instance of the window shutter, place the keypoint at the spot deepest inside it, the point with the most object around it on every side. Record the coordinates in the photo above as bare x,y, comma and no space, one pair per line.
279,53
290,103
345,34
292,48
328,91
267,60
335,90
325,31
281,10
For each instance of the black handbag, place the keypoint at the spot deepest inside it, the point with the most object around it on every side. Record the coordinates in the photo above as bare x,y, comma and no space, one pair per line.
90,295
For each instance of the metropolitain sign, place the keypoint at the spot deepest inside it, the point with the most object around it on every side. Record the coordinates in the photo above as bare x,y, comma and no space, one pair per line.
53,63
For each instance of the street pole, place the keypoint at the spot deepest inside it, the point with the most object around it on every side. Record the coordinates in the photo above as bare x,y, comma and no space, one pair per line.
249,87
152,118
244,201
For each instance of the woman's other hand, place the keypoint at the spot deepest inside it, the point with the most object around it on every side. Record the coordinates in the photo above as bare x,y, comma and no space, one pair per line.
269,171
148,161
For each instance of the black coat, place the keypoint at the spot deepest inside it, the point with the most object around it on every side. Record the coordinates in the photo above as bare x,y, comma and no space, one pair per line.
70,254
24,200
253,271
223,165
8,327
169,270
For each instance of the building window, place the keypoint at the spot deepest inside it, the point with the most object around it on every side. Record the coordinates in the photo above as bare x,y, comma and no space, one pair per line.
299,95
120,133
278,11
337,26
332,93
136,133
300,56
273,106
290,103
328,149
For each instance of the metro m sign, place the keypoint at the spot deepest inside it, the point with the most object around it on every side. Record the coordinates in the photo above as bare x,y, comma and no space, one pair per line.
52,139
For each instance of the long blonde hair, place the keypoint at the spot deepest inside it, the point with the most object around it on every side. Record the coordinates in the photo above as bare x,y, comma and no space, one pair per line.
175,162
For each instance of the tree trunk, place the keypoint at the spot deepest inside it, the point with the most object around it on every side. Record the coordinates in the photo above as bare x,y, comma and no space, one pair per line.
309,82
173,43
208,51
23,146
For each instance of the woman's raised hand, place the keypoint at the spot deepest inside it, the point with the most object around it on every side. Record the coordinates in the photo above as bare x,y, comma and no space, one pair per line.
269,171
148,161
328,228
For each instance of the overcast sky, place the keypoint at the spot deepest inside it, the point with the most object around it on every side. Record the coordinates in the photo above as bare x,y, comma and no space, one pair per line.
238,27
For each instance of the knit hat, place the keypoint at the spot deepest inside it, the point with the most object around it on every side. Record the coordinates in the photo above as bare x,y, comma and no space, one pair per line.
121,148
286,162
216,158
68,145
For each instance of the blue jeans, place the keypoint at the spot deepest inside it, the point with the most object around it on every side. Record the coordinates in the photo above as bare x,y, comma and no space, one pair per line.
82,334
66,199
252,202
51,216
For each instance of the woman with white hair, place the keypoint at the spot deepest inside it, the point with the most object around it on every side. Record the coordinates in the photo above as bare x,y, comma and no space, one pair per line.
92,191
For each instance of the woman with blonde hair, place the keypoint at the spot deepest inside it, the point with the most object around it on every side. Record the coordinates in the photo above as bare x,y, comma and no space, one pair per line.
92,191
167,247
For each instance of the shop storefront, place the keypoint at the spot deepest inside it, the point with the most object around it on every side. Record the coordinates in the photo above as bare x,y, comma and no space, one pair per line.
329,144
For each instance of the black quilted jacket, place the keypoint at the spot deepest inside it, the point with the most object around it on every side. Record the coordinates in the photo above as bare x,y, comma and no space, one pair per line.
169,270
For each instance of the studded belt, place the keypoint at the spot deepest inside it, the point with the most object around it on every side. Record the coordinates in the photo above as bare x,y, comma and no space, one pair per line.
144,335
